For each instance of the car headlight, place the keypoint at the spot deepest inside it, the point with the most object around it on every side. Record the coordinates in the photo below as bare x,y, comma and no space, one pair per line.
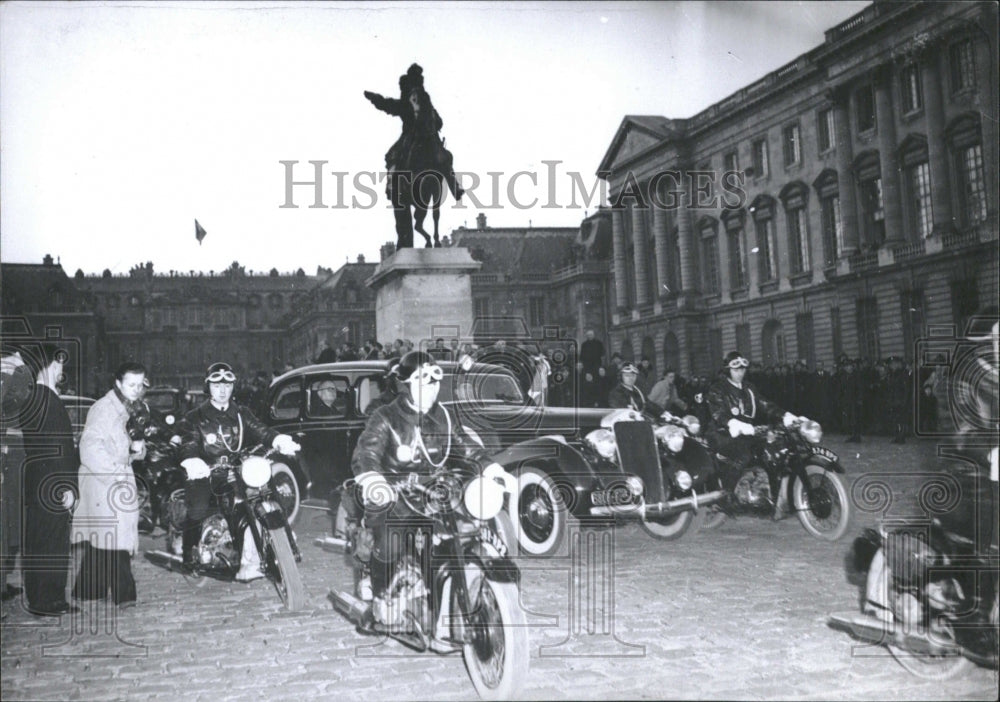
693,424
483,498
683,479
255,471
602,441
811,431
635,485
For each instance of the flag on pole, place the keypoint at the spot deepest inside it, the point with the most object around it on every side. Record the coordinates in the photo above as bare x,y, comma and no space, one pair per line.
199,232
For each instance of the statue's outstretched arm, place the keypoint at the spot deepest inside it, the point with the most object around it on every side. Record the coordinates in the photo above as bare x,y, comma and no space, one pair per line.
387,105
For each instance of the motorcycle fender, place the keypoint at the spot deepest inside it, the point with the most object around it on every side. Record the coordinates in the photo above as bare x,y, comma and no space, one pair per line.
559,459
499,569
696,460
269,514
826,458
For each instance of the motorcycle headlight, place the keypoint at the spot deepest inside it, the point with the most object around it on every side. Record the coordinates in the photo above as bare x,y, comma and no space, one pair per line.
169,419
683,479
255,471
602,441
811,431
635,485
483,498
693,424
670,436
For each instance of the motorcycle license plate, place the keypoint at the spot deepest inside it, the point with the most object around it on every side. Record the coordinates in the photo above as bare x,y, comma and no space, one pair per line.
488,536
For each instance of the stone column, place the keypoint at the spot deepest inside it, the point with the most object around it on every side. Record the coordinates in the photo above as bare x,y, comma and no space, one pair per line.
640,256
888,160
661,250
845,176
618,243
685,242
937,154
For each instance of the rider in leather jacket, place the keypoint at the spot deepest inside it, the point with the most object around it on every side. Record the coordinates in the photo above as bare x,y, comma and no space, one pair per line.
412,434
217,429
625,394
736,406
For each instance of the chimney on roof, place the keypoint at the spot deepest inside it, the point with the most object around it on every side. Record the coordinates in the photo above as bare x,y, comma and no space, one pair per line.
481,221
387,250
361,258
47,261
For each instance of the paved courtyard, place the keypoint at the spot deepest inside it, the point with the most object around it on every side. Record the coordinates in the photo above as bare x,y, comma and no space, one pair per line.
735,613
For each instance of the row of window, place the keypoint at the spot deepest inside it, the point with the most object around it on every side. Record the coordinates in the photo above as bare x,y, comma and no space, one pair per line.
963,75
481,309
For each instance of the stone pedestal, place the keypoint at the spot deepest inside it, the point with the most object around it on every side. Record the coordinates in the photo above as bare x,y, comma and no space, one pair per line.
424,294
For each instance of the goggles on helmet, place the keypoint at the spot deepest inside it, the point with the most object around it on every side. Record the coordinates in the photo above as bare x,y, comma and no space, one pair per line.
739,363
222,373
426,374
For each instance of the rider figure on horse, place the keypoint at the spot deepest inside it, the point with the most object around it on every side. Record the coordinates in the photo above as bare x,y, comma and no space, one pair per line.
419,147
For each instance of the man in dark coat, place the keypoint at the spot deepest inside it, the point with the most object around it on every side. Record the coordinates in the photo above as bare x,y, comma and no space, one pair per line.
626,394
50,482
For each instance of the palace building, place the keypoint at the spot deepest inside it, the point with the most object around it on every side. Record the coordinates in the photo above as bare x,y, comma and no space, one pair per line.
844,203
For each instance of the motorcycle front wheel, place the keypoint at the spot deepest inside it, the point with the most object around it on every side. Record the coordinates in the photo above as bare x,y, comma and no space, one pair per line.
824,508
673,528
496,653
286,490
282,569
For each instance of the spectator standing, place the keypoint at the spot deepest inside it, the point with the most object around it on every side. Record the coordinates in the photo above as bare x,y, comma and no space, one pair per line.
16,388
106,521
50,474
591,352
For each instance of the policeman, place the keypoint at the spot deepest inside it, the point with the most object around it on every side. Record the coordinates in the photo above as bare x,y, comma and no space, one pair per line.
412,434
736,407
625,394
219,429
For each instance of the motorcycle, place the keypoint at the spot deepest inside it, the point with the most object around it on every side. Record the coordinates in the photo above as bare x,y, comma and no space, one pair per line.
674,464
931,590
454,588
159,470
245,494
787,458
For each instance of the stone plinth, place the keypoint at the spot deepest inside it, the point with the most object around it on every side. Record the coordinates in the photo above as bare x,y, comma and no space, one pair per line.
424,294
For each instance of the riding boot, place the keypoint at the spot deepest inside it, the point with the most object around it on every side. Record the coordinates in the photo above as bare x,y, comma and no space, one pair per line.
189,544
249,560
781,503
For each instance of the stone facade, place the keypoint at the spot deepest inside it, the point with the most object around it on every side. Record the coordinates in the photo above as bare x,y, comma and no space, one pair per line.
844,203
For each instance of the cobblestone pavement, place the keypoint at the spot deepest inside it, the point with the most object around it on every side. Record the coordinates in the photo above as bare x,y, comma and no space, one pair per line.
736,613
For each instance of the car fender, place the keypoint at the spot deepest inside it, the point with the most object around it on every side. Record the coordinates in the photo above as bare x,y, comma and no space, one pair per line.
561,461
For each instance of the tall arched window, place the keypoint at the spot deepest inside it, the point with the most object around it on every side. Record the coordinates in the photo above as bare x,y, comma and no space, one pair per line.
732,221
762,209
708,230
965,140
917,183
795,197
828,190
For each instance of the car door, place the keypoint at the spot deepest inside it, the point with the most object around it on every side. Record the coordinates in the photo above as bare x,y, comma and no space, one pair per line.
325,430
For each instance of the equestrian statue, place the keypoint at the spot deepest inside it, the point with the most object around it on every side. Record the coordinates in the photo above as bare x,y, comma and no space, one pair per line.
418,163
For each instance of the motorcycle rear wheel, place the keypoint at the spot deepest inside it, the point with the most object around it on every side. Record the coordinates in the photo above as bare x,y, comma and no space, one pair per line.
827,515
930,667
674,527
497,655
282,569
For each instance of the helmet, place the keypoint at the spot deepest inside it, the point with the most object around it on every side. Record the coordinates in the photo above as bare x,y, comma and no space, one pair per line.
219,373
420,363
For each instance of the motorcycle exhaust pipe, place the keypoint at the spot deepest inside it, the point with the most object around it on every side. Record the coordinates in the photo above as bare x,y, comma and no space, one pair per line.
349,605
663,509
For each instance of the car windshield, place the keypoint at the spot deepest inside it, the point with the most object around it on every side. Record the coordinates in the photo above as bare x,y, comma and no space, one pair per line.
488,386
160,400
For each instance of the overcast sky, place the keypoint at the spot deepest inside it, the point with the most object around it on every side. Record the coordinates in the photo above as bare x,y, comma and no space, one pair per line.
122,123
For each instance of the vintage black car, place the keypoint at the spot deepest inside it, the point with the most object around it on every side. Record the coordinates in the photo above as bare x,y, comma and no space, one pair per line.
559,469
